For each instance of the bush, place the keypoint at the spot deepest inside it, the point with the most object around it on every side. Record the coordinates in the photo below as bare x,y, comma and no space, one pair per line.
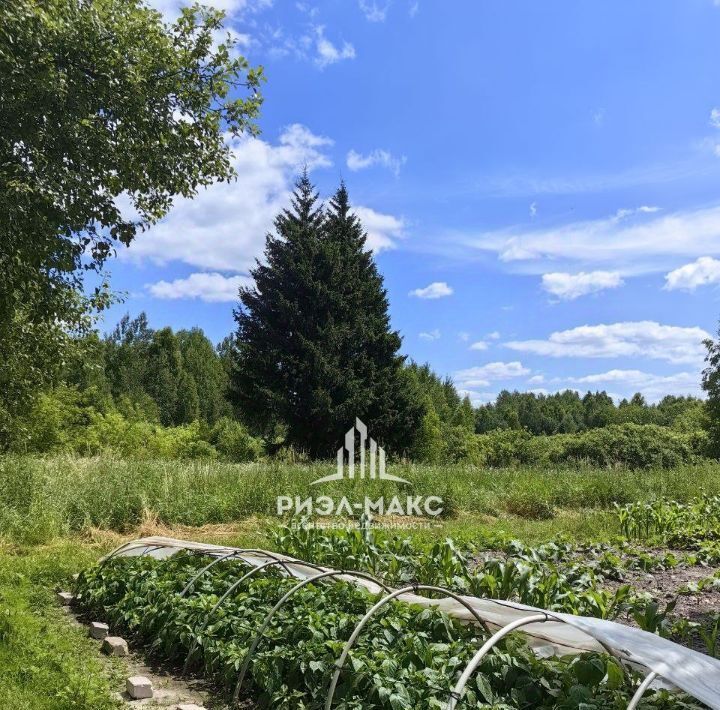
462,446
630,445
233,441
509,447
85,423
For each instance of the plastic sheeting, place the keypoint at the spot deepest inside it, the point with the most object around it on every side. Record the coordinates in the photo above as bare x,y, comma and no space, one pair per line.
683,668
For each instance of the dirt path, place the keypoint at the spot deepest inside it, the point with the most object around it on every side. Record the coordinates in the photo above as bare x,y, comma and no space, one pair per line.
168,689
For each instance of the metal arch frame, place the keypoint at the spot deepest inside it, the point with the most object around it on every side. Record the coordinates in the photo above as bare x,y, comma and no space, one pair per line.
457,691
340,663
137,544
266,623
456,695
608,650
146,548
635,701
239,553
227,593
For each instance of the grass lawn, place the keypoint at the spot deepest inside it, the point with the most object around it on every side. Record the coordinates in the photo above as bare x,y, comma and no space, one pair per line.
45,661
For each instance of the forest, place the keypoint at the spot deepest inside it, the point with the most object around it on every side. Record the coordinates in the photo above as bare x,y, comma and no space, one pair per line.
140,392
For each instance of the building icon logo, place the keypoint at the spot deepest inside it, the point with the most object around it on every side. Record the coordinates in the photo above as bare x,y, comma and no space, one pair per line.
373,463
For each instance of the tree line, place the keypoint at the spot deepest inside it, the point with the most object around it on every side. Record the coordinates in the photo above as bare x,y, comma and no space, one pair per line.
105,101
313,350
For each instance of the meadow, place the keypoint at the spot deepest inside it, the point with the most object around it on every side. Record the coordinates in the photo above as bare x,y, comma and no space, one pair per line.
43,498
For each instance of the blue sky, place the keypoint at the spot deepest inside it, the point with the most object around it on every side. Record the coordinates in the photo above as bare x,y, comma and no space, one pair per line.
540,182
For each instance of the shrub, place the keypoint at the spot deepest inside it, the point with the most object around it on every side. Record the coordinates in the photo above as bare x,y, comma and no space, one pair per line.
462,446
508,447
632,445
233,441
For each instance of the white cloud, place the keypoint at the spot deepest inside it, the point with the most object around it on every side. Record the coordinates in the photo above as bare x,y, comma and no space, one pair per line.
536,380
357,161
327,52
715,113
437,289
383,230
374,11
430,335
641,339
653,387
464,336
483,375
640,240
626,212
480,345
570,286
413,10
171,8
533,209
702,272
208,287
224,227
495,335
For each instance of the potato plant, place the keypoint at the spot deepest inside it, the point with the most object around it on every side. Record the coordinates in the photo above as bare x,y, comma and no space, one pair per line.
407,657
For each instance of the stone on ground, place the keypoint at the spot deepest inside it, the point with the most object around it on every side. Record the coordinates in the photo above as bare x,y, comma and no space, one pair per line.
115,646
65,598
99,630
189,706
138,687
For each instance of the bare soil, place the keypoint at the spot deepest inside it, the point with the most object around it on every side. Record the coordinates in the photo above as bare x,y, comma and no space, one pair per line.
665,585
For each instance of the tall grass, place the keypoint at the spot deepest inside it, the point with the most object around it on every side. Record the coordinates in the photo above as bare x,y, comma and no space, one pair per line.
44,497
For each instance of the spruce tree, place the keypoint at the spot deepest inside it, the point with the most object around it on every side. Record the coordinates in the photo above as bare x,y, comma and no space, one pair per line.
314,348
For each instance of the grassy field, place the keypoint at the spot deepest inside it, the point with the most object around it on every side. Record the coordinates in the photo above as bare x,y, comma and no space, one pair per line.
58,515
43,498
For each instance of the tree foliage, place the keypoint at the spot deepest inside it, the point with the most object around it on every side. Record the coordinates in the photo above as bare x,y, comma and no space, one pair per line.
314,348
102,105
176,378
711,385
569,412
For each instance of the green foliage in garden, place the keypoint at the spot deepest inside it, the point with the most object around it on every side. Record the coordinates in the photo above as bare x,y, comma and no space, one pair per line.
677,524
560,576
407,656
45,662
545,577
